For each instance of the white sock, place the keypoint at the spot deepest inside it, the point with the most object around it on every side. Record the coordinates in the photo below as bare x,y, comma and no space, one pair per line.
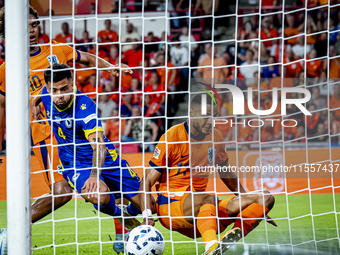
209,244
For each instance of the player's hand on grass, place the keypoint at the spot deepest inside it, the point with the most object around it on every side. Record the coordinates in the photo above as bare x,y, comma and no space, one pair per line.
271,221
90,186
115,72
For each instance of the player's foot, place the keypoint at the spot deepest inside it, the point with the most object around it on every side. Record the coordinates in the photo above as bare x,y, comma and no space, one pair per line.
118,244
128,223
226,241
3,241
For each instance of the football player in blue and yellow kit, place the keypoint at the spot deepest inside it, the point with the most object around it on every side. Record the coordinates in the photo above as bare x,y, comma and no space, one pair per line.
88,159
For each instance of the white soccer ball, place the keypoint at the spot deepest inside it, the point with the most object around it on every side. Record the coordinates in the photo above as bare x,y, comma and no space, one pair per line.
3,241
145,240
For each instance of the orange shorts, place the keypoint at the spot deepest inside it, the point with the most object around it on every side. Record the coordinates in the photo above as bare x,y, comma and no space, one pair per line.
43,152
176,210
178,223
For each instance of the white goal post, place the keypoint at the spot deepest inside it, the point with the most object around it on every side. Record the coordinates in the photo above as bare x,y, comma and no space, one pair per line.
75,229
17,125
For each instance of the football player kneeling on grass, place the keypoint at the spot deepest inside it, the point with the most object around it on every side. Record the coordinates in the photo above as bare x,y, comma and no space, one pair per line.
182,190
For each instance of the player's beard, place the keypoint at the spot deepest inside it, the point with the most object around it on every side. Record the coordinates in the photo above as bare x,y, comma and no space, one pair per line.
201,134
206,129
63,103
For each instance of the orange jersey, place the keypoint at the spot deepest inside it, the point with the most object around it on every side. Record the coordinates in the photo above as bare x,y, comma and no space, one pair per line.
334,103
276,83
313,68
263,87
40,60
291,32
161,72
126,80
61,38
108,36
175,150
292,69
334,70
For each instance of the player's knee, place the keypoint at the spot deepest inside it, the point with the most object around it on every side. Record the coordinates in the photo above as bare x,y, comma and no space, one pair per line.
269,199
103,199
266,199
209,199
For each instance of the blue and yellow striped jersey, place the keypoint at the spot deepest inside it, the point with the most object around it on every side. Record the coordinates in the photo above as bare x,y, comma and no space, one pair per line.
72,127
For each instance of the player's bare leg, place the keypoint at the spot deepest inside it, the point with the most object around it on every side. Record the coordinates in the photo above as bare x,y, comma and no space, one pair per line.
44,205
250,209
107,205
254,206
205,206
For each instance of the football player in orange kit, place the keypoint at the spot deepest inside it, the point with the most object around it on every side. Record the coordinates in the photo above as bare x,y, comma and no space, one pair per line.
183,148
40,58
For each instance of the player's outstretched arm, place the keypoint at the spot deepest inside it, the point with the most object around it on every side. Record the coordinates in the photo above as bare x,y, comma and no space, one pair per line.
150,177
230,179
91,61
99,154
35,107
2,118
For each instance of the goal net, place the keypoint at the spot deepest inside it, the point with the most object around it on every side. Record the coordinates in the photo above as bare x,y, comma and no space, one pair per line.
273,53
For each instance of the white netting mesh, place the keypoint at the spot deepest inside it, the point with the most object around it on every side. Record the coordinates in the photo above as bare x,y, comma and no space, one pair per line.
259,44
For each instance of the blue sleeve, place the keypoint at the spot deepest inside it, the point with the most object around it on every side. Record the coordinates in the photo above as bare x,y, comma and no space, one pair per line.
90,118
265,72
45,98
277,72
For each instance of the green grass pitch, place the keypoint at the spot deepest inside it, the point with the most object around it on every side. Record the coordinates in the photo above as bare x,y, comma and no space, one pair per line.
277,241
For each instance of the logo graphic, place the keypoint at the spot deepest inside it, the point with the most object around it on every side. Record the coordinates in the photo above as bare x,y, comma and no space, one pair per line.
68,123
89,118
57,120
75,177
271,180
238,99
53,59
204,97
60,169
156,153
211,154
83,106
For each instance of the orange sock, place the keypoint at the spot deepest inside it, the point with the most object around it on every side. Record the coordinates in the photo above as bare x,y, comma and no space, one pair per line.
207,226
253,212
119,227
222,213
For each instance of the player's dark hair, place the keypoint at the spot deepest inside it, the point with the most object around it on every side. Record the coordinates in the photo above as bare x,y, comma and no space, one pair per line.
196,100
32,11
59,72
